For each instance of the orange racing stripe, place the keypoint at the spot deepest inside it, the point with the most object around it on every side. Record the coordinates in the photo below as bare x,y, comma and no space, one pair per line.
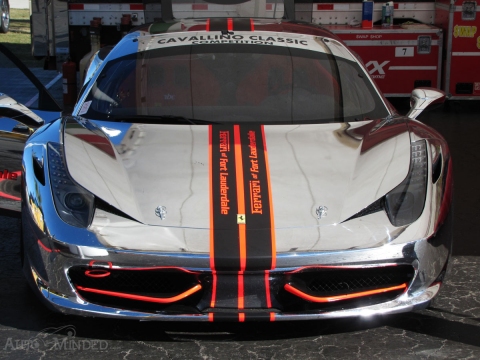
142,297
270,202
240,196
212,248
241,211
326,299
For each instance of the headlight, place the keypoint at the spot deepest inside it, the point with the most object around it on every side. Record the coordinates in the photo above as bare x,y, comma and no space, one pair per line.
405,203
74,204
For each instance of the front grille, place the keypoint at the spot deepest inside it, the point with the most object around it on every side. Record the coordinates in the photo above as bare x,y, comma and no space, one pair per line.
315,288
339,281
346,287
160,283
141,284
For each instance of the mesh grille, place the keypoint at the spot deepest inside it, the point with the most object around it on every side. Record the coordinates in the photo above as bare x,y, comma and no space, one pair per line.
326,282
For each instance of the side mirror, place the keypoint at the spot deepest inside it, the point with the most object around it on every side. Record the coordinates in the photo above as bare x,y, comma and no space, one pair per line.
421,98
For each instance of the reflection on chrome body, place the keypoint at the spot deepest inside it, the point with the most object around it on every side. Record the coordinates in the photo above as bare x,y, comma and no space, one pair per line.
17,122
93,66
14,107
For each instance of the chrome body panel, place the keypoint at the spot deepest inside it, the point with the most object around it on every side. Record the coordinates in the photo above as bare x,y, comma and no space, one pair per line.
364,161
180,154
420,244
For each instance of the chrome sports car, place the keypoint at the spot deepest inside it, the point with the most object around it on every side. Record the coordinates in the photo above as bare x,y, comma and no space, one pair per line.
233,169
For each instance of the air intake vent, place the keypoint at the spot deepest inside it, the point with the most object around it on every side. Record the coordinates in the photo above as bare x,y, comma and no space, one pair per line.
341,288
140,289
332,282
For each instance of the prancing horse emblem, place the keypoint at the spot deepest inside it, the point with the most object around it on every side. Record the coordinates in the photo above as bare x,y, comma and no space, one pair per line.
241,219
321,212
161,212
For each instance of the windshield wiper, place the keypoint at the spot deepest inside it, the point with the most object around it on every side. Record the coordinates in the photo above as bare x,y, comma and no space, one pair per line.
161,119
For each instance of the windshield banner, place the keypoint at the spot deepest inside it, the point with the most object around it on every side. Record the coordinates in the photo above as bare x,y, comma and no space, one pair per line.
257,38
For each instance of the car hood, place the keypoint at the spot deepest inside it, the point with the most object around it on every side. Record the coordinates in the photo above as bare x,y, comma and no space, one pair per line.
136,168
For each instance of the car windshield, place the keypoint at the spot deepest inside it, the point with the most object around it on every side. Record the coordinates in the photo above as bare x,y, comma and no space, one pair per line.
233,83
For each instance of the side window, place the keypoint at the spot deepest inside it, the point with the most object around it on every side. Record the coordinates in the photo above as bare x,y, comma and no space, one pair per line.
113,89
357,96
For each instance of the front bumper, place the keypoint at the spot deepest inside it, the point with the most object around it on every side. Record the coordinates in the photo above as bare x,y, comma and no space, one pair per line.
75,306
49,269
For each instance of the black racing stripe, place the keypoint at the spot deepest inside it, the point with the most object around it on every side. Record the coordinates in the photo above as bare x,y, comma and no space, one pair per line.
224,197
225,316
248,315
260,316
254,291
227,291
218,24
257,202
241,24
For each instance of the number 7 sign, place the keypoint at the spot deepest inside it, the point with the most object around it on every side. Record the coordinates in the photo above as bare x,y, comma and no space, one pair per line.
404,51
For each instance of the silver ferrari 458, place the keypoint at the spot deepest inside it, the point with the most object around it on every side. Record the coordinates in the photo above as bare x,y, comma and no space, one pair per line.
231,168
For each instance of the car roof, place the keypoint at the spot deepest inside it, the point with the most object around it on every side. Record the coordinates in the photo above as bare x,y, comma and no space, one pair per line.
238,24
